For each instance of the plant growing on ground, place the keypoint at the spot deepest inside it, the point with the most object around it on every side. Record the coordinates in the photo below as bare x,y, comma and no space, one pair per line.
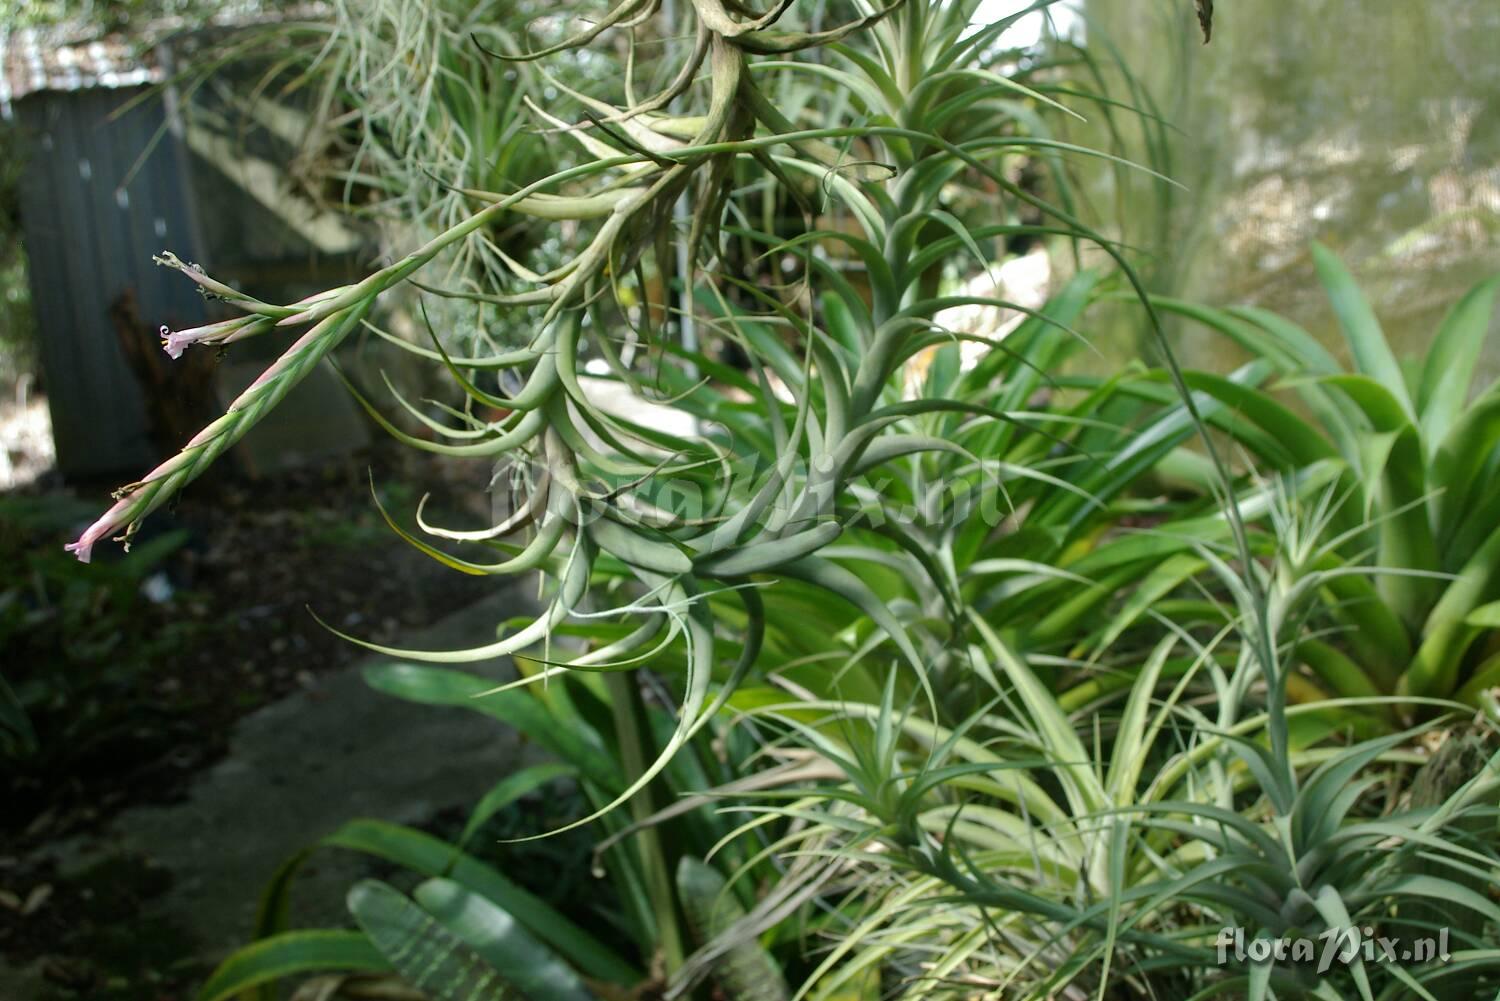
1005,858
480,928
819,649
88,621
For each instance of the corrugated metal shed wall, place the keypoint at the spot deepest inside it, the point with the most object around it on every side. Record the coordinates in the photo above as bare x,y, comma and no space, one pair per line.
89,240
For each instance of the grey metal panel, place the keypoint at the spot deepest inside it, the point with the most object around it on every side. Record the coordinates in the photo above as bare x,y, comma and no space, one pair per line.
88,243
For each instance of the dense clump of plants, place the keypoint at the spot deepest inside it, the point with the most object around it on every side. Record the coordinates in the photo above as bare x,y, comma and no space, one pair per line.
926,664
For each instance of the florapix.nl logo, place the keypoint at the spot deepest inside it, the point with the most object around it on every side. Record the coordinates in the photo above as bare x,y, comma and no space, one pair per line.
1335,946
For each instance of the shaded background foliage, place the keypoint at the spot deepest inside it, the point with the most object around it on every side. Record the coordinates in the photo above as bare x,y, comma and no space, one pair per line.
1375,129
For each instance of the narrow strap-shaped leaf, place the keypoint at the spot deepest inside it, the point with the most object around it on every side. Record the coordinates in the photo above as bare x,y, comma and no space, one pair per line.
509,789
1372,353
1449,368
1463,466
437,686
1447,635
290,953
844,584
1053,733
1314,807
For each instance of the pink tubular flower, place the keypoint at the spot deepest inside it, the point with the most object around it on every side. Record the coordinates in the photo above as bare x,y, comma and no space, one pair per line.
113,520
175,341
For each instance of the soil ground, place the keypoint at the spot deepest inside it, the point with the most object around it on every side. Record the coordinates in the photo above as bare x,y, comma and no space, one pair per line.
195,723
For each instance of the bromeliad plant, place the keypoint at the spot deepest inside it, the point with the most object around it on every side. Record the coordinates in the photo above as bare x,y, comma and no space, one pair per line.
683,534
470,930
1406,544
1099,842
777,538
601,485
1006,857
1022,513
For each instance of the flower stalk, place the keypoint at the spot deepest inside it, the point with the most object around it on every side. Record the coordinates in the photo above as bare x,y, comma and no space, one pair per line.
135,501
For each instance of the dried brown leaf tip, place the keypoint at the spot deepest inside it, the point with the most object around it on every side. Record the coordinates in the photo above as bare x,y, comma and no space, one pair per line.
1206,18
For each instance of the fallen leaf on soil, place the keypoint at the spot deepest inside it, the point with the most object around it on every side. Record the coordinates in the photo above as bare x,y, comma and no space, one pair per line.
36,898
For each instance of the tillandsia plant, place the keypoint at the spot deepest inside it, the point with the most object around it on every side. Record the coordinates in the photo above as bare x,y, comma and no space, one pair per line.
1051,844
687,517
1029,523
405,110
822,244
1405,544
1005,857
